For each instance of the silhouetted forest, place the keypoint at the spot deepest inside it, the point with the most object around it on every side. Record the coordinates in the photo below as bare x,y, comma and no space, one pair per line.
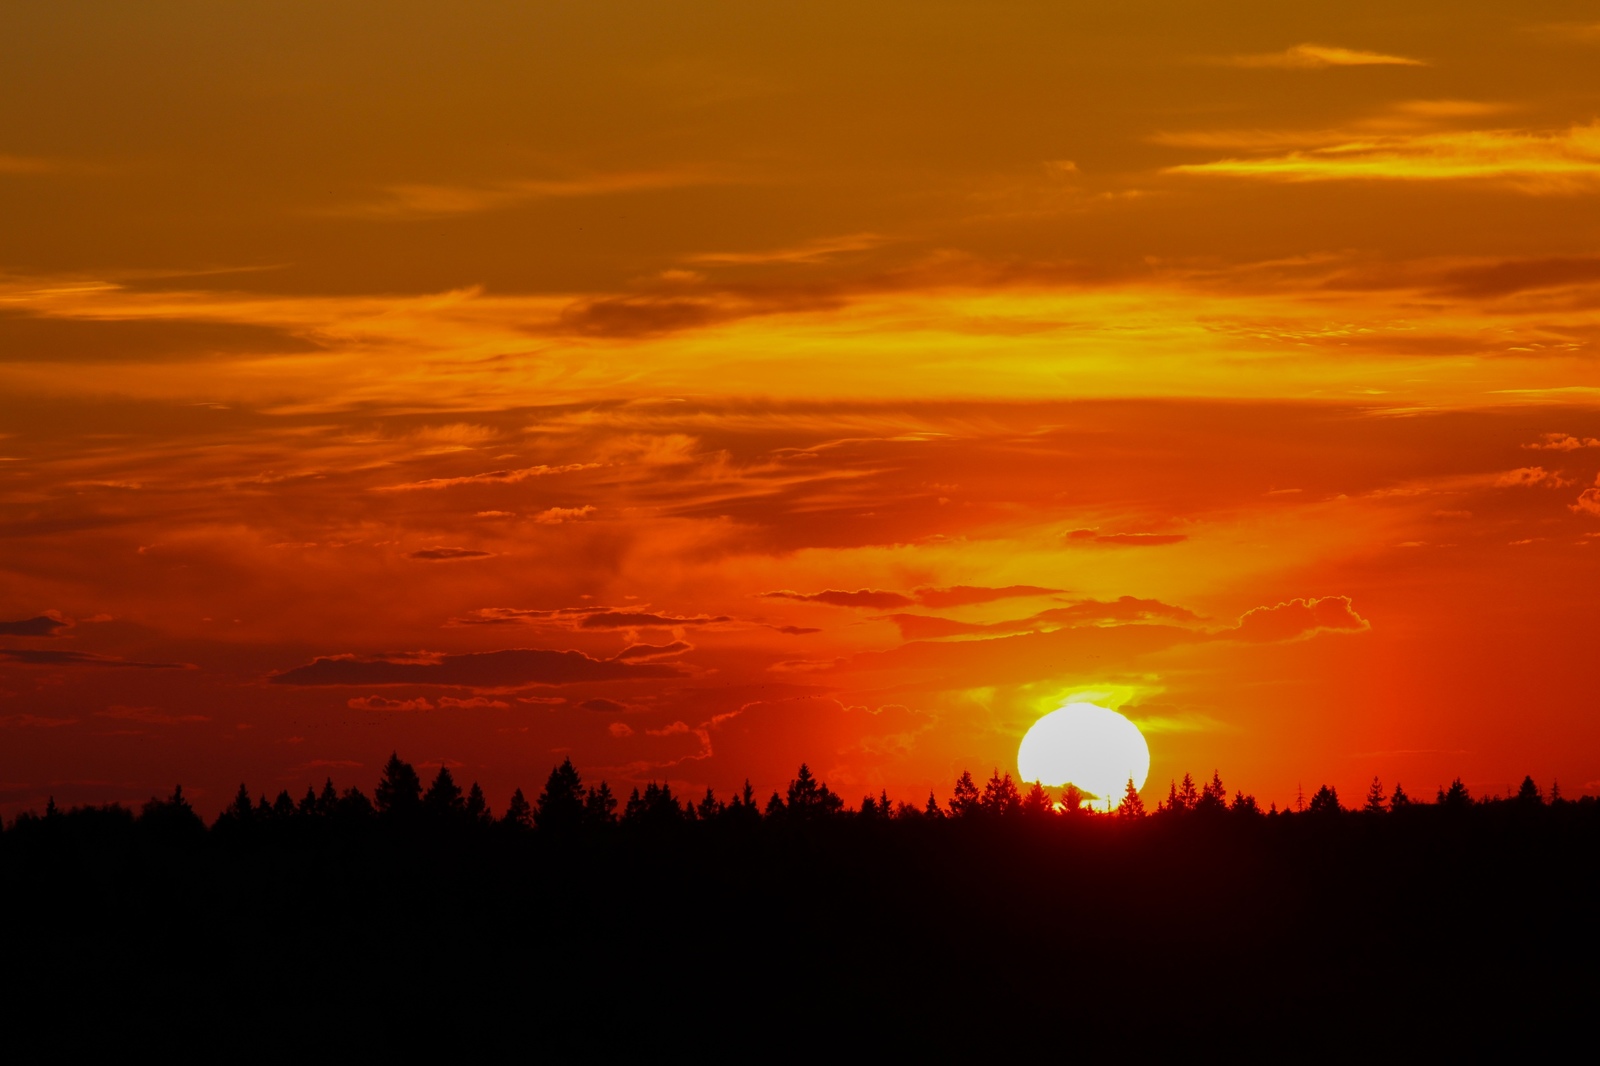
994,919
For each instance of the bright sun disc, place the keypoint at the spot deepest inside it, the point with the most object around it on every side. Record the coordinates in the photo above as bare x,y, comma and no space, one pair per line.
1089,746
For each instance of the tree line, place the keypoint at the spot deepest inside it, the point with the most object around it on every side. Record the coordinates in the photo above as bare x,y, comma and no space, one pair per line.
566,805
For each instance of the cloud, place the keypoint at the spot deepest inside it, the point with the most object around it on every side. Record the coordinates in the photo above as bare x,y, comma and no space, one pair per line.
1589,501
31,657
33,721
30,338
640,652
602,705
962,595
1319,56
1562,442
1085,612
875,599
1560,162
511,668
421,200
673,730
631,619
380,703
806,252
149,716
472,703
795,631
1138,540
491,477
448,554
44,625
620,730
1525,476
1298,619
557,515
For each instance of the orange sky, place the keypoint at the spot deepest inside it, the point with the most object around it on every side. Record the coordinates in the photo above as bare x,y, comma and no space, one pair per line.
696,388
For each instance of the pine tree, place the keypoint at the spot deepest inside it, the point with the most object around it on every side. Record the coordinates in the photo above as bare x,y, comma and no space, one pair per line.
1244,805
327,799
1213,797
1375,798
710,807
1456,797
399,793
1528,795
1399,799
242,810
283,806
308,804
1072,799
1132,807
477,807
1326,801
1188,795
560,806
964,803
805,798
1037,803
444,799
600,806
519,814
931,808
1000,796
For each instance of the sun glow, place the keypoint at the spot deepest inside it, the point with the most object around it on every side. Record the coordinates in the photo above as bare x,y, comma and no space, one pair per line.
1089,746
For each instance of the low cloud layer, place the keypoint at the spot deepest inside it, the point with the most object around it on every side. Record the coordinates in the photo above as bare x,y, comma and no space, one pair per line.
509,669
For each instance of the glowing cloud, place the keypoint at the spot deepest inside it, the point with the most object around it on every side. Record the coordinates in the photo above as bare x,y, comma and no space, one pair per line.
1316,56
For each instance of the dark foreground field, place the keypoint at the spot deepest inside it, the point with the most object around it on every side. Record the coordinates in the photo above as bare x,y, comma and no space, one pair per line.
1427,931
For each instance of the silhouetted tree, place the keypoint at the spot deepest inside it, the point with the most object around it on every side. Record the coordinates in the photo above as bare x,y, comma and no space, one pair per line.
444,799
519,814
1213,797
1132,806
172,819
308,804
600,806
354,807
1555,793
327,799
710,807
1456,797
1325,801
1375,798
655,807
1072,798
1000,796
283,806
1529,795
560,806
399,793
1399,799
477,807
809,798
869,808
1243,805
964,802
1037,803
242,811
774,806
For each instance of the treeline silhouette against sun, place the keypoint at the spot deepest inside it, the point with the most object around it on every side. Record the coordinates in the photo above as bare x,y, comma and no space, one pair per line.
581,921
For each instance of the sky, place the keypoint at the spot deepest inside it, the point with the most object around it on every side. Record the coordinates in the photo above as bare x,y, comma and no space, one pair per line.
694,389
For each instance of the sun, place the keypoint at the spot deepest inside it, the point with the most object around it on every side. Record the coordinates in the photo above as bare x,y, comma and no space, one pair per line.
1089,746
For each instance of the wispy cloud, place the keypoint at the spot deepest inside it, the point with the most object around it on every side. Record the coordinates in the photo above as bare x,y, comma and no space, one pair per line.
1317,56
425,200
805,252
1563,161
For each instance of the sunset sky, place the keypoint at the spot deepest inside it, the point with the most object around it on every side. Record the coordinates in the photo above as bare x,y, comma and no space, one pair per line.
698,388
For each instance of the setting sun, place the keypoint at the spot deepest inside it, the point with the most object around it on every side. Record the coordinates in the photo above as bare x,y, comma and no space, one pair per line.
1086,745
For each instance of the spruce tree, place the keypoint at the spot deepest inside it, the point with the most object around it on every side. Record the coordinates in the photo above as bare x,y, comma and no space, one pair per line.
399,793
560,805
964,802
1375,798
519,814
1132,807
